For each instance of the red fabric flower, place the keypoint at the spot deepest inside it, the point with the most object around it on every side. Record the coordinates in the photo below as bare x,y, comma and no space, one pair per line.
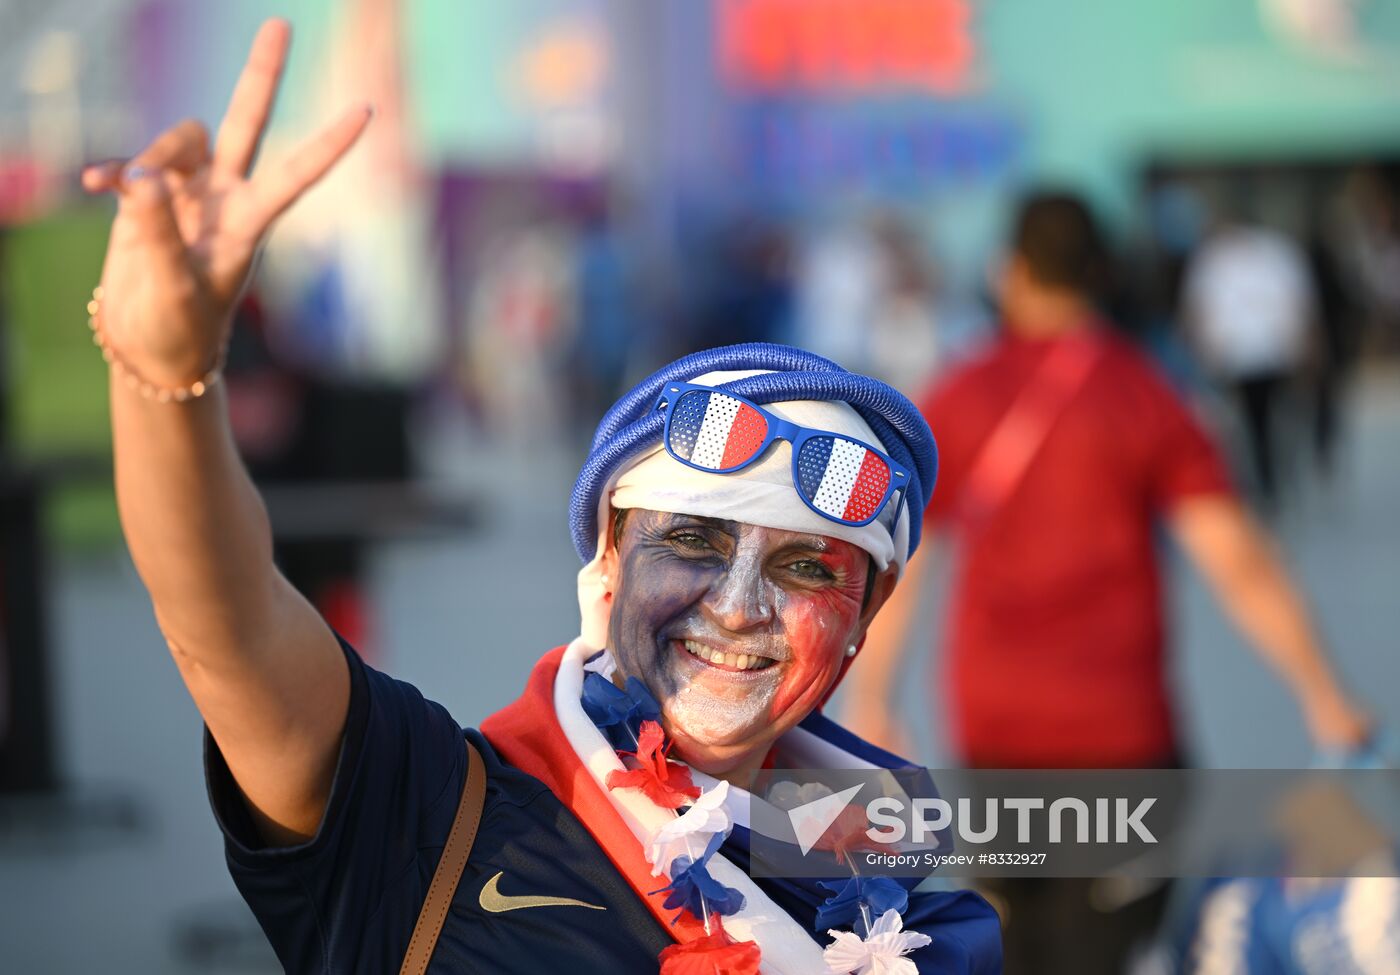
665,783
714,954
848,834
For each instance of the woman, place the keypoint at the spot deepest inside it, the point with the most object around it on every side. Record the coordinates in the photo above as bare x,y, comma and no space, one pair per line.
731,586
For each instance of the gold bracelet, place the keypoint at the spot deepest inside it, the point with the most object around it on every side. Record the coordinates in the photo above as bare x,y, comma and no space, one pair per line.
134,380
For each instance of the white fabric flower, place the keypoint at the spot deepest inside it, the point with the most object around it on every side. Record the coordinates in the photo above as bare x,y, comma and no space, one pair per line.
602,664
786,794
880,954
688,833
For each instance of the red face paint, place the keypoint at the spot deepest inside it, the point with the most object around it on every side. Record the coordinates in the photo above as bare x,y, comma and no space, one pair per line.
818,628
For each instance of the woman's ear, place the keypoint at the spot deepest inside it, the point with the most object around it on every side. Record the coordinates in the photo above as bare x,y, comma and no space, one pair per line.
879,592
611,559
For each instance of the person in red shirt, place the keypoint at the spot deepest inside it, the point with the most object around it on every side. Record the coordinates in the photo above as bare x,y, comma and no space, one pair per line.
1061,453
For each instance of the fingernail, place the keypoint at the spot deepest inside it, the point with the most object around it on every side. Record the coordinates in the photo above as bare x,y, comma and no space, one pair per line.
136,173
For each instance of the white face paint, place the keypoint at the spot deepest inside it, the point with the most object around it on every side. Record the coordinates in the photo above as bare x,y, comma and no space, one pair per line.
716,715
713,706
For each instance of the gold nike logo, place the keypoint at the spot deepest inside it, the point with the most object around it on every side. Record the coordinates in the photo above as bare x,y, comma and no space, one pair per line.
493,900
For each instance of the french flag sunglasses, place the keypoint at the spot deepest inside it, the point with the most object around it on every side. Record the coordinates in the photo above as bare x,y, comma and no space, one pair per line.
838,477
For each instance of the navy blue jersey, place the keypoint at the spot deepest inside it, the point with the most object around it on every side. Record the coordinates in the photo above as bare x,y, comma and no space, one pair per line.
347,899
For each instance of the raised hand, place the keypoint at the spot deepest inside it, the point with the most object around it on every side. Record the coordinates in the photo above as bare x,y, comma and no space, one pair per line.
189,221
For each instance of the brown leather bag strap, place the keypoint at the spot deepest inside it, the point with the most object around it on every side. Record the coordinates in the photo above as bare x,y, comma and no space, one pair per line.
449,868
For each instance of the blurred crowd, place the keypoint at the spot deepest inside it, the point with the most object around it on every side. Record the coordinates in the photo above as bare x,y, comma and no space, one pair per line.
1261,289
1268,302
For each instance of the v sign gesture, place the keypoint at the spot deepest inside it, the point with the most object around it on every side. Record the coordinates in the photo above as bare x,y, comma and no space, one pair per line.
266,672
190,221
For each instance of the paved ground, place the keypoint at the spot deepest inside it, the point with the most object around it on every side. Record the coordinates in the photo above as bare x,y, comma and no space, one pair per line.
127,875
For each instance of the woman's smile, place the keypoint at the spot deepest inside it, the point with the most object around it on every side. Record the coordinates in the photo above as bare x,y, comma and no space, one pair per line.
748,659
720,675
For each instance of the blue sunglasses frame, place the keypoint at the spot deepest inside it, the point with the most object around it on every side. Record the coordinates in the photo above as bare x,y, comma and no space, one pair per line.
796,435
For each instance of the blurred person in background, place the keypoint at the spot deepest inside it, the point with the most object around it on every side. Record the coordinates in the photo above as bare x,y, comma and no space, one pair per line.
720,606
837,278
1061,451
866,296
747,285
1336,352
1249,305
7,466
298,430
522,323
1364,229
1354,251
903,334
603,291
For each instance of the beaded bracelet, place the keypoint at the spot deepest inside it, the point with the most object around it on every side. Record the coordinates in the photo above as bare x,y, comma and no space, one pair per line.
134,380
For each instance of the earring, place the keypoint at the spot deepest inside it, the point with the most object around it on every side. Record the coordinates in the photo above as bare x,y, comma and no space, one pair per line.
851,650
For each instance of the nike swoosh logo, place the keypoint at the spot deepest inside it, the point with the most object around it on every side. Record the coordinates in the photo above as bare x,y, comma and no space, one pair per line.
493,900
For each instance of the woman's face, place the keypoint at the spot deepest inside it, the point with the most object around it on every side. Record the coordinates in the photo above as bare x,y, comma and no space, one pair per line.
738,630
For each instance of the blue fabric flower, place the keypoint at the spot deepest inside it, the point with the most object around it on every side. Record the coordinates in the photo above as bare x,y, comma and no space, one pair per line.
842,909
691,879
618,713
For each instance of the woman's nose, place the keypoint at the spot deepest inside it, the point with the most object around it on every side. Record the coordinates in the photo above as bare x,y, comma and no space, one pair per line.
741,599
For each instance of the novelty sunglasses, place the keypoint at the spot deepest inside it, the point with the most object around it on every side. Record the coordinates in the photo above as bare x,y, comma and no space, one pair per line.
837,476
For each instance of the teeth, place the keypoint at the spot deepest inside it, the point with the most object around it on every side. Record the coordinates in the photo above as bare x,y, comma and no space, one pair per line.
738,661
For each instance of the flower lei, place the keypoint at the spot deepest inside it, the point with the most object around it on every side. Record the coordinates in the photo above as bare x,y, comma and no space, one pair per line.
681,851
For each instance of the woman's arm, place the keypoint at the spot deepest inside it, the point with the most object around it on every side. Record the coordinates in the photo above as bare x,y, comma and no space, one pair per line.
263,668
1249,580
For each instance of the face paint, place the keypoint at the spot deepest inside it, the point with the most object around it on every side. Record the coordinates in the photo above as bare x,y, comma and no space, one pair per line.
737,629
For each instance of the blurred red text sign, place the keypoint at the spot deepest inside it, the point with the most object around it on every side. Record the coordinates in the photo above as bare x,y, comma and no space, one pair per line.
848,46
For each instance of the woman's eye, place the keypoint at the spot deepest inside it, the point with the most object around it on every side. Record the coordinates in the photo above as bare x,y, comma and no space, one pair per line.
690,541
811,569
